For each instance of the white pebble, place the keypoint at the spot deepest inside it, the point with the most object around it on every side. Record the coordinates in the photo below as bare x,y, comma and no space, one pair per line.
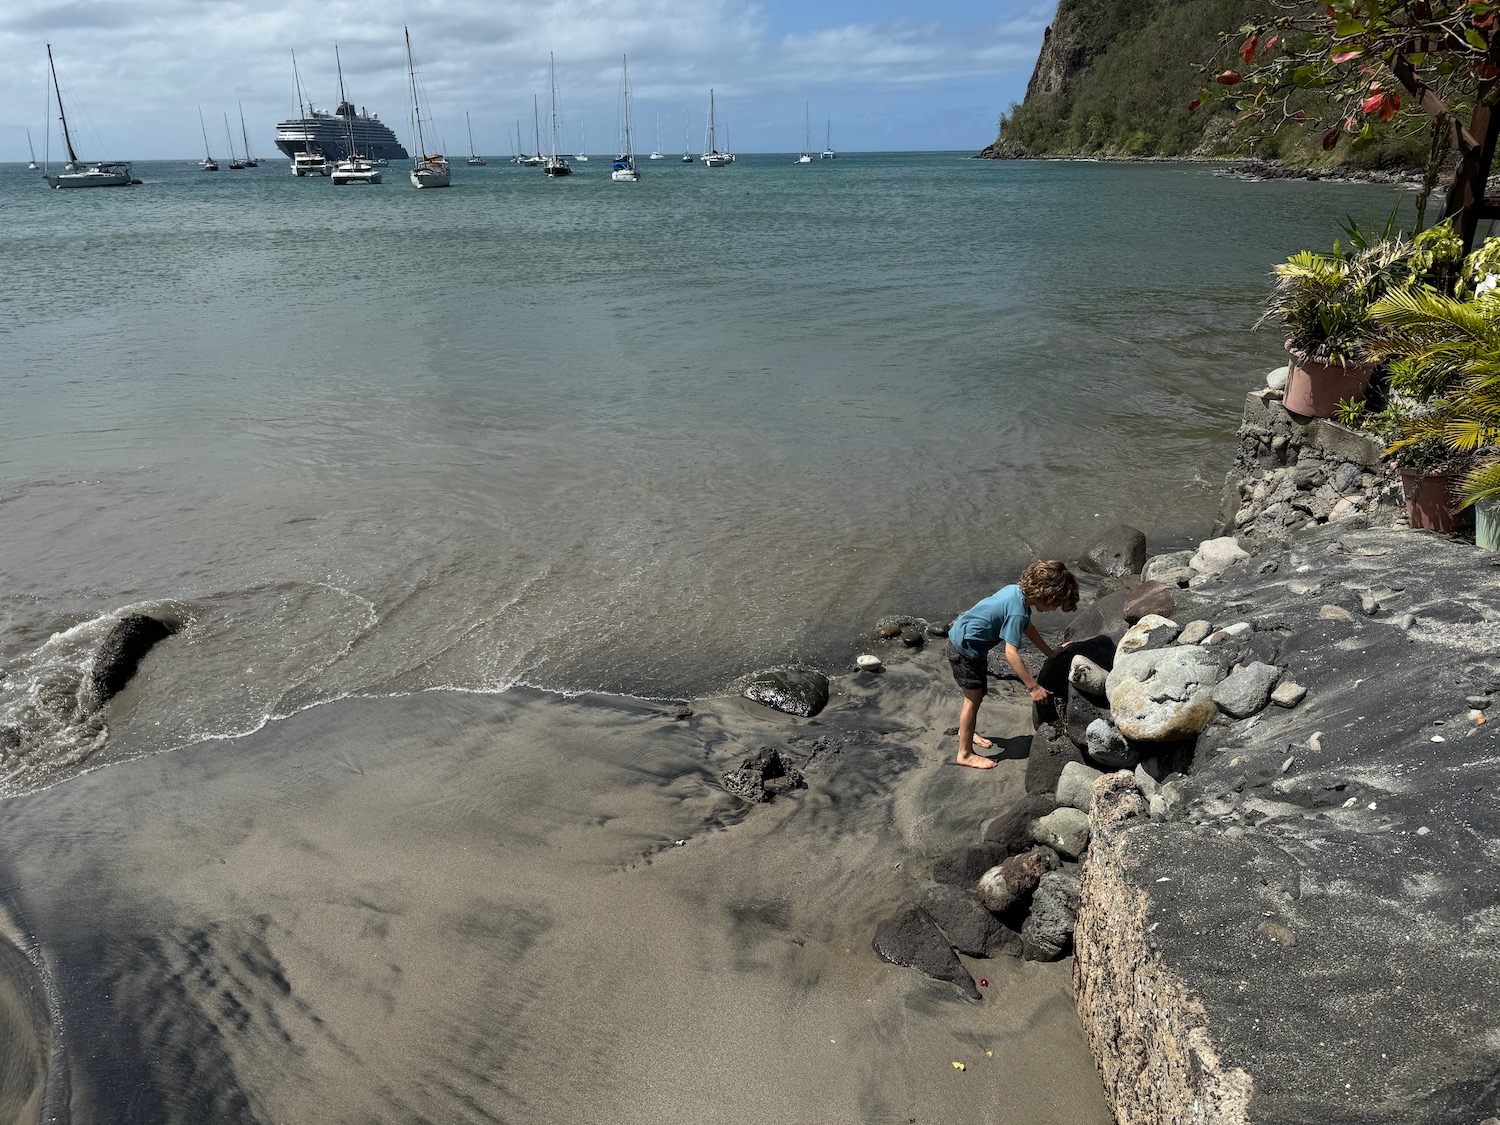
1315,741
1351,802
1286,765
1437,738
1371,806
868,663
1424,830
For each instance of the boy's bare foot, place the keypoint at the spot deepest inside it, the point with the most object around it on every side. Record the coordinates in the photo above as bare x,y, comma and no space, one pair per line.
983,743
976,761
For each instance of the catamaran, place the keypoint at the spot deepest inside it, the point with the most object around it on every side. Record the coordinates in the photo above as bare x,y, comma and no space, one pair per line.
431,169
78,173
475,160
307,162
208,163
556,164
712,157
806,157
623,169
354,168
828,153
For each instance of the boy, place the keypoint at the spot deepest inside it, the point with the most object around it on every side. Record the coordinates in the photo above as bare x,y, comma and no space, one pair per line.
1004,618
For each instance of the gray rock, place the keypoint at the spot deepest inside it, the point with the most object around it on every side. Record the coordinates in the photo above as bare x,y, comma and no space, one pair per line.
1229,633
1276,380
1109,747
1115,551
1051,749
1145,782
1346,477
995,893
1214,556
1151,631
1011,830
970,928
1246,690
762,776
911,937
1288,694
1082,711
1149,598
793,691
1163,694
1048,930
1065,831
962,867
119,655
913,637
1105,618
1159,565
1075,785
1195,632
1087,676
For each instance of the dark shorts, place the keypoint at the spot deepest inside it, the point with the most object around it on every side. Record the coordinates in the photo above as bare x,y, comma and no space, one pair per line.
969,673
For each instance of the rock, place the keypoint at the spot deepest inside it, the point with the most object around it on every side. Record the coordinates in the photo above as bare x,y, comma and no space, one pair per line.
1238,630
1064,830
1051,749
1163,694
886,632
1108,747
1214,556
1246,690
1276,380
1048,931
1011,830
911,937
1115,551
962,867
1478,702
793,691
1288,694
1087,676
1105,618
1334,613
1082,710
1195,632
994,893
1022,872
1346,477
762,776
1073,787
1160,565
1369,604
1117,583
1150,632
938,630
913,637
868,663
968,926
119,655
1148,599
1343,510
1144,781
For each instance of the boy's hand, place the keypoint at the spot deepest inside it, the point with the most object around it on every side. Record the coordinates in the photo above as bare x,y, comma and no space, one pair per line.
1039,694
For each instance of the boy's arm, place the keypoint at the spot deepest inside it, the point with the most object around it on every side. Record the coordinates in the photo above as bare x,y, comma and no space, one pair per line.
1039,694
1036,638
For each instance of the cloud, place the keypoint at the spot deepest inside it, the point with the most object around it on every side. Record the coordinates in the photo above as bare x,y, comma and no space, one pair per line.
140,68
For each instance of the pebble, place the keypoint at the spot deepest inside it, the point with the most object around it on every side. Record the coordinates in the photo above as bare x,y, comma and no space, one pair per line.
1286,765
1315,741
868,663
1478,702
1195,632
1334,613
1424,830
1408,621
912,638
1288,694
1351,802
1437,738
1370,604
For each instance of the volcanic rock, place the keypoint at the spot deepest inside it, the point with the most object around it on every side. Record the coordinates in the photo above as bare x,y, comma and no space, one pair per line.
793,691
1163,694
1115,551
120,653
911,937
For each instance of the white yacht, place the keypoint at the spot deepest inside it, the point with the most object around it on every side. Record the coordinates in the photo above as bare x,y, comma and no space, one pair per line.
33,166
828,153
208,163
354,168
656,153
77,173
309,161
475,160
712,157
806,157
623,170
431,169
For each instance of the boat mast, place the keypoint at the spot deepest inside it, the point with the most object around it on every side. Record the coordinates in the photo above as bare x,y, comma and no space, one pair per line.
553,60
61,113
536,126
302,113
416,106
207,154
711,147
629,140
469,126
806,127
338,63
229,139
244,136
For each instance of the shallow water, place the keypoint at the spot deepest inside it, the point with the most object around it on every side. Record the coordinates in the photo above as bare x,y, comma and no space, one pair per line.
584,435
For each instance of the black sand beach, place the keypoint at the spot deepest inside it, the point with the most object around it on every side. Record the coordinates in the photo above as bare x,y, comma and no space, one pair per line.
526,908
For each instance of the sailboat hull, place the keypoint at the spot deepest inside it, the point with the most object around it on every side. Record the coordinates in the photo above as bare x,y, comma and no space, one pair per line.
112,176
431,177
625,176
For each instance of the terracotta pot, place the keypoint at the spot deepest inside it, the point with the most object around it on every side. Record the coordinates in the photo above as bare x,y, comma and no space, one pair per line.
1431,501
1314,389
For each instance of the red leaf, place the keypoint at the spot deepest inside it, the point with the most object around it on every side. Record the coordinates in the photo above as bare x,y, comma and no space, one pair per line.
1299,117
1331,13
1486,22
1489,72
1229,78
1372,103
1247,48
1389,104
1346,56
1330,139
1194,104
1271,42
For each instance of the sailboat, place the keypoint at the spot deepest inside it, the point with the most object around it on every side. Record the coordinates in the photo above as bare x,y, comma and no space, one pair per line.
556,164
581,155
656,153
235,163
536,157
33,166
806,157
475,160
78,173
687,140
353,169
250,161
307,162
828,153
712,157
623,169
208,163
431,168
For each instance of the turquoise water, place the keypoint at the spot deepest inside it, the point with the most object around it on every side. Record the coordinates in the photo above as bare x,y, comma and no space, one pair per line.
589,435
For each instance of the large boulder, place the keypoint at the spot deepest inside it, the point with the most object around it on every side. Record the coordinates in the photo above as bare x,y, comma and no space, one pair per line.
1246,690
119,655
1163,694
1048,931
1075,786
1064,830
794,691
1051,749
1104,618
1146,599
1109,748
969,927
1115,551
912,938
1149,632
1214,556
1159,566
762,776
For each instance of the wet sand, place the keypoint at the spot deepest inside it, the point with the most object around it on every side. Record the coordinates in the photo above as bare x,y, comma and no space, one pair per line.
450,907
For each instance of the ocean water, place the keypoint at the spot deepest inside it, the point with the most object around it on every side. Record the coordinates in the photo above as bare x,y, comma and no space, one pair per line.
585,435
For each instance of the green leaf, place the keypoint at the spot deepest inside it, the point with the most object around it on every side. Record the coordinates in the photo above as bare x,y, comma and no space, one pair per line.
1308,78
1348,27
1476,40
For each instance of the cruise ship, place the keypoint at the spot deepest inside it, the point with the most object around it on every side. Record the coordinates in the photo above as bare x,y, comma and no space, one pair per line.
328,133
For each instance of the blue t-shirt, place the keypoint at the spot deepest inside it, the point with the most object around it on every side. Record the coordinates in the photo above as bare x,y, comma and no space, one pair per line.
1003,616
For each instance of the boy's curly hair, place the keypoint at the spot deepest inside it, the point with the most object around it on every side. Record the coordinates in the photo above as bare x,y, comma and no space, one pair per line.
1050,581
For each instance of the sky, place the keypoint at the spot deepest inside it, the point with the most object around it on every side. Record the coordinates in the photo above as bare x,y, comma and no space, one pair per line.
891,75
